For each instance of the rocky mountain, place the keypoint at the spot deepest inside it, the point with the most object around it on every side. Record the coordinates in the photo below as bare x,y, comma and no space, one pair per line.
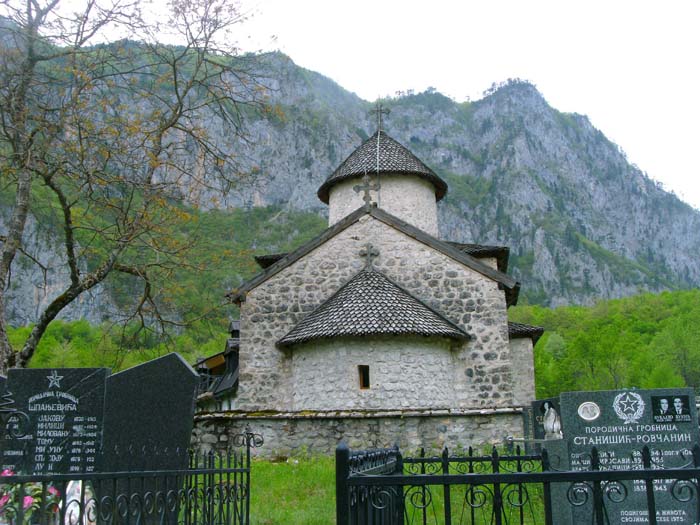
581,222
40,273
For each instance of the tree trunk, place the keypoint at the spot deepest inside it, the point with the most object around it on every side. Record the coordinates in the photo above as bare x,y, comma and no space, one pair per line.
58,304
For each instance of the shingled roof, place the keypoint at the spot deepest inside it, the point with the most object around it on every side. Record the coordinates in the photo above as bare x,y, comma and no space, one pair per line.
516,330
393,158
480,251
371,304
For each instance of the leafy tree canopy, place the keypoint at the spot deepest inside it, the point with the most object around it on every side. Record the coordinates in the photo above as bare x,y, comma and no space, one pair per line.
645,341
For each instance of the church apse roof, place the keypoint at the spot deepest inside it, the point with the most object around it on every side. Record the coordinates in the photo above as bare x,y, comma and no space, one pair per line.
371,304
393,158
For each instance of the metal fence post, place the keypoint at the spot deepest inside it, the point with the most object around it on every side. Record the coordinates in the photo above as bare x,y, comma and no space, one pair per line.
342,494
598,510
651,501
446,488
423,490
497,496
399,460
248,443
400,509
472,512
696,464
547,489
521,507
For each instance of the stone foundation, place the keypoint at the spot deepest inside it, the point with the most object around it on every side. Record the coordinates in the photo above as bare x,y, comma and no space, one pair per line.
318,432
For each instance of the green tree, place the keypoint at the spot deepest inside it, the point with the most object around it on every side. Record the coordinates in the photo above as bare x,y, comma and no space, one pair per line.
645,341
94,137
678,344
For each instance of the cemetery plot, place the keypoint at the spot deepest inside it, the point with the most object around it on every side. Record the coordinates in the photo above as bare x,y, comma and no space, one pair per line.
619,424
84,420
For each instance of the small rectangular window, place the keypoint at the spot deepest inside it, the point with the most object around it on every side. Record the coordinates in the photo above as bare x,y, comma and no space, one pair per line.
364,376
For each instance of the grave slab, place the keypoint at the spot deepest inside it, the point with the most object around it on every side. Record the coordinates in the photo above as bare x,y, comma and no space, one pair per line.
149,413
84,420
619,423
58,426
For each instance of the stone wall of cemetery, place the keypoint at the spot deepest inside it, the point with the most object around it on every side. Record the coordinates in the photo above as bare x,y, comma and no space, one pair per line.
319,433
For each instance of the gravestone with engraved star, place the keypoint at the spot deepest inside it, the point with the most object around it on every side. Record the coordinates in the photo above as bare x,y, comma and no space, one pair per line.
85,420
55,426
619,423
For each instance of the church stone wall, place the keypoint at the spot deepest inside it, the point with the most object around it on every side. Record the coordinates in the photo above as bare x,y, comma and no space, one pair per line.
523,363
407,197
291,435
483,373
404,372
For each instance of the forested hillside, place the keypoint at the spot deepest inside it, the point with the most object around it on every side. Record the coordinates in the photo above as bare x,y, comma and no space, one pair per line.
227,243
646,341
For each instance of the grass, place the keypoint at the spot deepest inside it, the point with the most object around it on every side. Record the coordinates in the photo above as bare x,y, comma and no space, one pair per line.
297,491
301,491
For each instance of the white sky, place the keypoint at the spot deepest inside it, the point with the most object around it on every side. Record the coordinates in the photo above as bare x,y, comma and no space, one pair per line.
632,66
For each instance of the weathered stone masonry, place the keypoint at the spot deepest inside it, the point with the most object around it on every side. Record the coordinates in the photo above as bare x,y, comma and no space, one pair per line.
481,375
287,434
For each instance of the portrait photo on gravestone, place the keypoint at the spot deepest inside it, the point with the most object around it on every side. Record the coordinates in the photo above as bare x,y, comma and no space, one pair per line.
618,424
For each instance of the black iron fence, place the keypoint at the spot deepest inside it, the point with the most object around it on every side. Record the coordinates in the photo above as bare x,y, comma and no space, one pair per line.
213,489
382,487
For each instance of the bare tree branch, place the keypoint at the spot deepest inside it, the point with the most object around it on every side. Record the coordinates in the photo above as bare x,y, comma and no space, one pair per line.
115,133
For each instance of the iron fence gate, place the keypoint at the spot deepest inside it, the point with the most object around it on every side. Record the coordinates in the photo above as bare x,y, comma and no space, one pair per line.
380,487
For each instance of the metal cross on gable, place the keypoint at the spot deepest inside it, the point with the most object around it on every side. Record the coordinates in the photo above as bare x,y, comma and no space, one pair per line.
366,187
370,252
380,110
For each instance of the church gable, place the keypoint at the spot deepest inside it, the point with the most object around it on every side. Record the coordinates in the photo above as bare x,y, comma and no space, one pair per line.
462,289
456,251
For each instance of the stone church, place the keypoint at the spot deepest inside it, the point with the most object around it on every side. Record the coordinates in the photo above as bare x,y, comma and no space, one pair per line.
376,331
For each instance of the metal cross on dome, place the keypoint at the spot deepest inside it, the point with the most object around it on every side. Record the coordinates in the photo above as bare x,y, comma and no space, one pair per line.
380,110
366,187
370,252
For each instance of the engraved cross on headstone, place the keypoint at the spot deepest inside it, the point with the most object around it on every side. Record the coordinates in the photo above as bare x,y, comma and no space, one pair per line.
366,187
370,252
379,110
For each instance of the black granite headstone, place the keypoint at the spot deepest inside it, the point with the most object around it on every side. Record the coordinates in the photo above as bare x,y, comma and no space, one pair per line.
619,423
57,428
82,420
149,414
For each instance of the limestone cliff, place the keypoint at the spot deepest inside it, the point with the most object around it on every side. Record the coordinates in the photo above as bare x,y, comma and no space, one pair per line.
581,222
